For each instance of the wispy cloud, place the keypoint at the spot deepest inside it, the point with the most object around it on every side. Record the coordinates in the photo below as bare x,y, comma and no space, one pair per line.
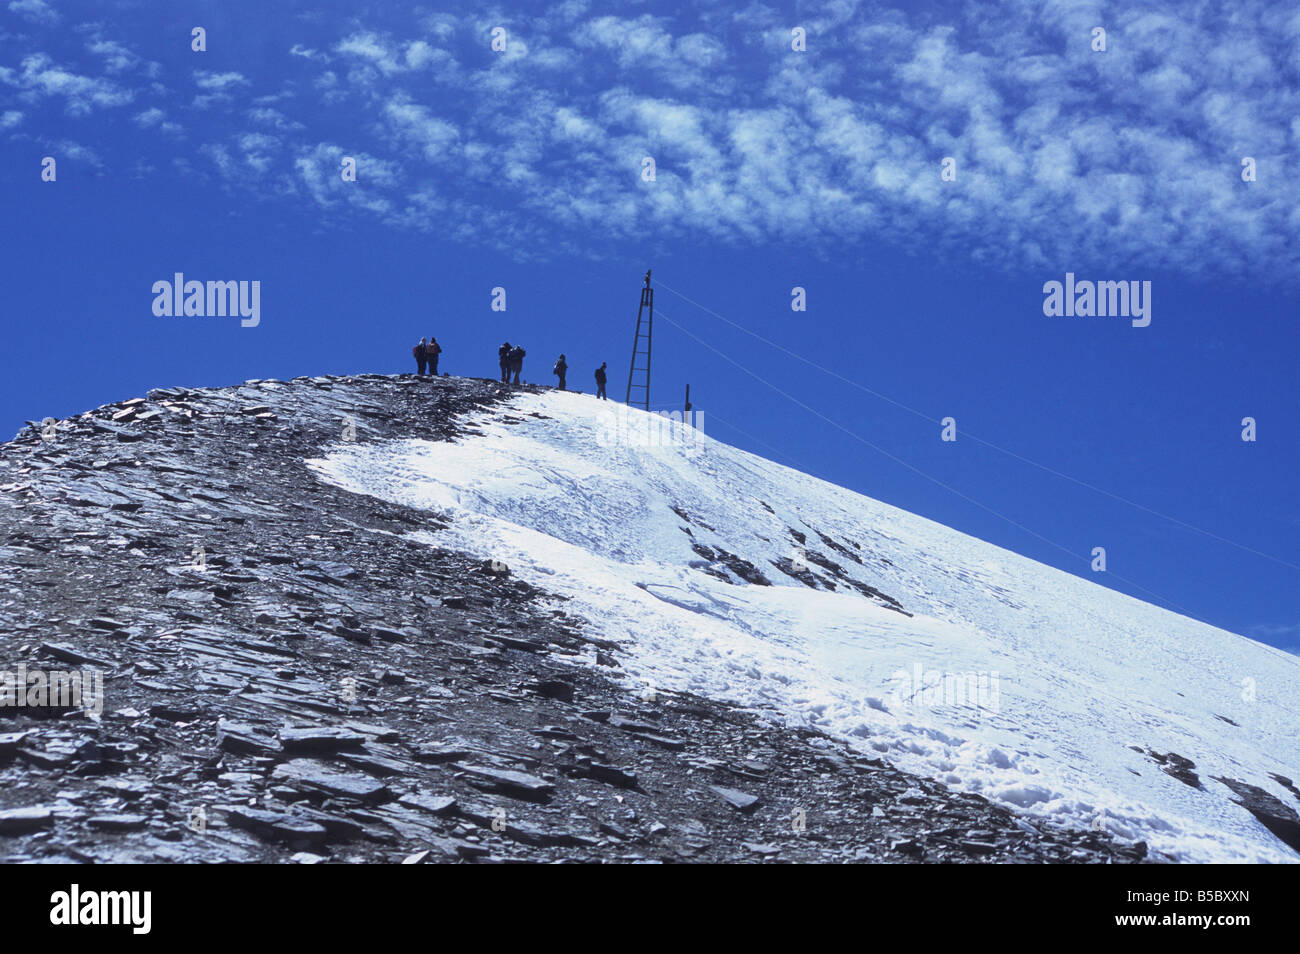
38,11
217,88
156,118
646,43
274,118
309,54
117,58
1065,157
39,77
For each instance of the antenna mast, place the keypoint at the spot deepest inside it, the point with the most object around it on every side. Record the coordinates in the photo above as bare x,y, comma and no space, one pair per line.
647,310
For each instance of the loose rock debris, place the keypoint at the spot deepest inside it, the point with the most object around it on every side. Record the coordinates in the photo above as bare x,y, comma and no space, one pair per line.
288,679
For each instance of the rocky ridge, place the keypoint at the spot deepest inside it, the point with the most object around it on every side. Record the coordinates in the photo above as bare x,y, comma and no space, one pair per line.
287,677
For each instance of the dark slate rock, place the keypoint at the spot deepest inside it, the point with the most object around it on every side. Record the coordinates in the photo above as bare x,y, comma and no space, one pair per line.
276,826
68,654
9,741
509,782
313,777
375,764
329,571
553,689
624,723
121,433
1177,766
662,741
320,739
515,642
434,804
117,822
175,712
15,821
610,774
337,827
1274,814
741,801
540,837
435,753
242,739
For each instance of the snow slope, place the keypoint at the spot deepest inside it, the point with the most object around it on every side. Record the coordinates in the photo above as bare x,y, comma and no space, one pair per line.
1011,679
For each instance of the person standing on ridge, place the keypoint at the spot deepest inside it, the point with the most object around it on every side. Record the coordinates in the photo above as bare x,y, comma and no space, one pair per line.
600,381
517,361
503,357
560,370
421,356
431,352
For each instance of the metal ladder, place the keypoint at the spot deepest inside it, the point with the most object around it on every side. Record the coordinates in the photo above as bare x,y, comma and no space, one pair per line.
646,308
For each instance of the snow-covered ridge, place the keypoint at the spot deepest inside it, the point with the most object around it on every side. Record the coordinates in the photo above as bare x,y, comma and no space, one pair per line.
1053,683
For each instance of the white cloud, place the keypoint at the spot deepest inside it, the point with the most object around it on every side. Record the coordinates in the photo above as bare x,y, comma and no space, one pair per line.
220,157
372,49
155,118
40,77
308,54
117,58
1060,154
1063,155
643,44
374,55
218,88
416,125
258,142
66,149
38,11
218,82
269,116
319,172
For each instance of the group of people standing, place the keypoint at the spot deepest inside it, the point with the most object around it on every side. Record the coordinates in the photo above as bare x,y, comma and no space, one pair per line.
426,355
510,358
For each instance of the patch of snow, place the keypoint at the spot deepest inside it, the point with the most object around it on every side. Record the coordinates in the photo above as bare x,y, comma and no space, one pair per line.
1012,679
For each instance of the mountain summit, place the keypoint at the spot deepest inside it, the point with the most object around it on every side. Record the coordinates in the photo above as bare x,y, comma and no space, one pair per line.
384,618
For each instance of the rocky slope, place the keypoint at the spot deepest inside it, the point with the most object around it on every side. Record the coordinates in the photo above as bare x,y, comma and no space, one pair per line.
287,677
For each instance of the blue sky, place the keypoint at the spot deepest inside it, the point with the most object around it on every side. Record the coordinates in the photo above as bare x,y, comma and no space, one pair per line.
522,168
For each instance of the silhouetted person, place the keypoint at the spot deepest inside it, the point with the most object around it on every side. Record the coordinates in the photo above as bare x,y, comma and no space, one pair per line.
421,356
503,356
560,370
517,361
431,352
600,381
